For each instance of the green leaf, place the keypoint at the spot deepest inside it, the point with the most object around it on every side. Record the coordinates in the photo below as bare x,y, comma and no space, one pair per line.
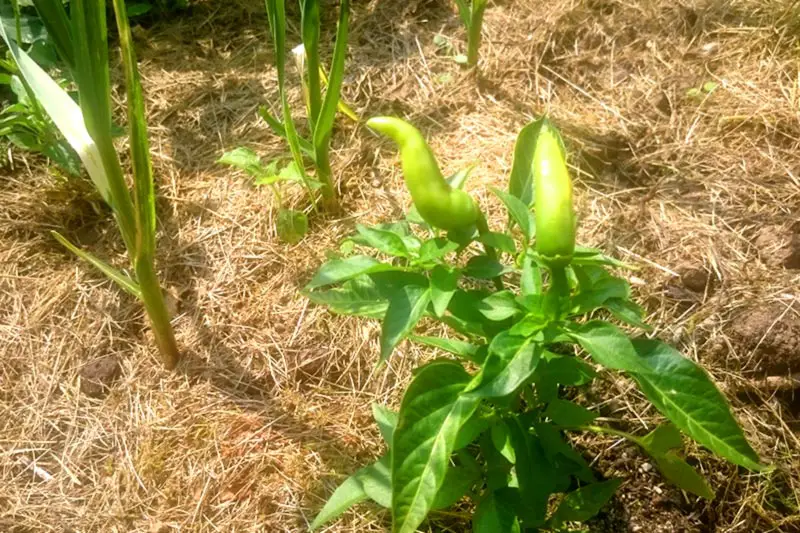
67,117
499,306
495,513
483,267
462,349
582,504
405,309
535,474
358,297
349,493
501,241
144,196
531,279
444,282
608,345
340,270
627,312
384,241
324,124
569,414
291,225
520,183
593,256
277,127
386,420
561,456
502,442
243,159
138,9
457,482
431,414
59,28
434,249
664,438
310,30
602,290
683,392
376,480
122,280
676,386
519,213
510,364
556,369
682,475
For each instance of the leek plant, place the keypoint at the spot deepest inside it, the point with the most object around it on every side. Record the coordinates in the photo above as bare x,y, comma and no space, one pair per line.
471,13
321,105
81,40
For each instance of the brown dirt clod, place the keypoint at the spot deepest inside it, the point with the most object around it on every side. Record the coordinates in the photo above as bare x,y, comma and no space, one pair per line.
98,376
778,247
767,340
696,279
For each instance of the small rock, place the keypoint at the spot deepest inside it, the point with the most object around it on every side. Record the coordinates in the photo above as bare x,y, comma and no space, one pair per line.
97,376
778,247
646,467
766,340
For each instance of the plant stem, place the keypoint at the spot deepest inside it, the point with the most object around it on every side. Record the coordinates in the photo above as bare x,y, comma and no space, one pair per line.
475,27
325,175
612,431
491,253
558,291
153,300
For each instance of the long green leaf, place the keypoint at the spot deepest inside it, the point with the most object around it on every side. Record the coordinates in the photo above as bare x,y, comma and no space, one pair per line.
65,113
144,197
59,29
683,392
349,493
431,414
124,281
405,310
277,127
310,25
676,386
92,77
322,131
495,513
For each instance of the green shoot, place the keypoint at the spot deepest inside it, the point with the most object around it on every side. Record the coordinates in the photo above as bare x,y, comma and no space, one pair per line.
471,15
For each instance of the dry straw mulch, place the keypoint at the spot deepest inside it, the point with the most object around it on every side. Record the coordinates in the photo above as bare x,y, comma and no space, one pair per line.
682,121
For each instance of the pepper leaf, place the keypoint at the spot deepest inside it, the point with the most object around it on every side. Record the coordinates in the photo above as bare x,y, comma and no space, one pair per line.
405,309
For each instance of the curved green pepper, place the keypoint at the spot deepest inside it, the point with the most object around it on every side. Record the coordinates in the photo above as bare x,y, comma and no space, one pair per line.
555,218
439,204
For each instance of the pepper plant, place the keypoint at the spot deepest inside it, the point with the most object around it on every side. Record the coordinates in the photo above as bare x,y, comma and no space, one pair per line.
530,318
81,39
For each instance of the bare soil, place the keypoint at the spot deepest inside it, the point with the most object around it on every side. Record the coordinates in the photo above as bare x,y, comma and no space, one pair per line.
684,138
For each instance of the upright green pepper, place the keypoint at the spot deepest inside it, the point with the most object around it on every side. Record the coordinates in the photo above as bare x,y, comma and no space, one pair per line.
555,218
439,204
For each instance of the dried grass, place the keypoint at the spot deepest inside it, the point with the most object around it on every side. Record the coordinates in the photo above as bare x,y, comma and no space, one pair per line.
271,405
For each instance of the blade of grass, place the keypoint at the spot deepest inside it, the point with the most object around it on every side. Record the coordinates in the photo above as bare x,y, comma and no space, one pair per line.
123,280
322,133
474,28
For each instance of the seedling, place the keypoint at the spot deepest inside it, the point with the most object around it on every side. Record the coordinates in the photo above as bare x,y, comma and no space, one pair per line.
321,108
532,318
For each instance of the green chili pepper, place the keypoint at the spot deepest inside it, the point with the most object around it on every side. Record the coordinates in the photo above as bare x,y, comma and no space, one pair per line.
555,218
439,204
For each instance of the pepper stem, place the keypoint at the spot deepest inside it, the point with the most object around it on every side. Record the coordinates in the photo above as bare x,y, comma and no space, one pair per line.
558,291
